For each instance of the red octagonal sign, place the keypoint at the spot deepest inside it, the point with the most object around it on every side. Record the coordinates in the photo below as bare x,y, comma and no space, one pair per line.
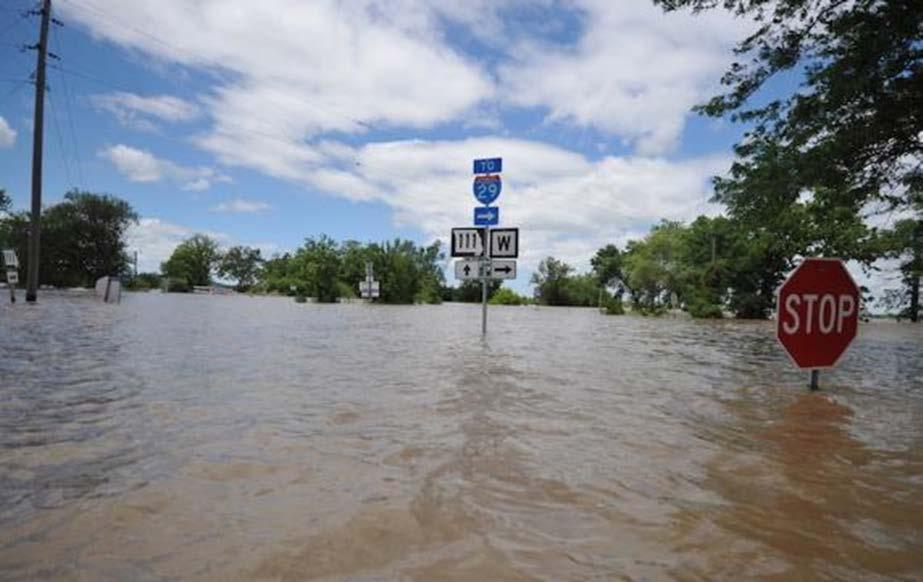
817,313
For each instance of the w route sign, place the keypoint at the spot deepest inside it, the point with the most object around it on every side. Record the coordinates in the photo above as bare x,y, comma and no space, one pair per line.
817,313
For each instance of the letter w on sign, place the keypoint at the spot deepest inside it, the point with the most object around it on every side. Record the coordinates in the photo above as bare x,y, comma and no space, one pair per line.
504,243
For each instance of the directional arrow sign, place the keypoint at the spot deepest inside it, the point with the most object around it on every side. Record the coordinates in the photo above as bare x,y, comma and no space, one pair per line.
468,269
502,269
486,216
467,242
504,242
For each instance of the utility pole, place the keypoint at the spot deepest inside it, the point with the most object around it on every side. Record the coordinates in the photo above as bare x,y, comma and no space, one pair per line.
38,130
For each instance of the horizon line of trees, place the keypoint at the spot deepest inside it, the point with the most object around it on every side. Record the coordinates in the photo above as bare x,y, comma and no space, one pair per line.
709,267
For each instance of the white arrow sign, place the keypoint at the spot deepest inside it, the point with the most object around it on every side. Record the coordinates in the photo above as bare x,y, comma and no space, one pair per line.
501,269
468,270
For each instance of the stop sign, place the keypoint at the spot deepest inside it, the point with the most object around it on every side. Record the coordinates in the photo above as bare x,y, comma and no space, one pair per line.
817,313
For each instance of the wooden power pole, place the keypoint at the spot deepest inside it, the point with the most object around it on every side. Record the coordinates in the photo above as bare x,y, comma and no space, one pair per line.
35,229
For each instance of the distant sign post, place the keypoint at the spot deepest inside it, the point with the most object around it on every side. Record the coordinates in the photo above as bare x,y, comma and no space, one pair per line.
817,314
481,247
11,262
369,288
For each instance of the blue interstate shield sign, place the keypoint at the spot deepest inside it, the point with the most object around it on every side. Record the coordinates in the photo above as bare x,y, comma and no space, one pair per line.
487,188
486,216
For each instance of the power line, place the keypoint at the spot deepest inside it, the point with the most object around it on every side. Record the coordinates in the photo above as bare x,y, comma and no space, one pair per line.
69,114
62,150
23,14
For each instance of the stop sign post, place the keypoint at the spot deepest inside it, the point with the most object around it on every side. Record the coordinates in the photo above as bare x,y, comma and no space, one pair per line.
817,314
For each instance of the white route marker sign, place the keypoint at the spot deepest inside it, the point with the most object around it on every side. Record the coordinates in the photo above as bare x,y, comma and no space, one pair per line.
504,243
467,242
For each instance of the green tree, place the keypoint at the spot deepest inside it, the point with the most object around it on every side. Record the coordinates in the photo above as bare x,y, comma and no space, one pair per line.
241,264
904,242
277,276
144,281
83,239
408,273
550,279
193,261
653,267
316,267
5,201
353,258
850,133
607,265
506,296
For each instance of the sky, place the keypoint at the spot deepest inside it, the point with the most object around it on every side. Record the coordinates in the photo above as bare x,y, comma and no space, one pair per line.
262,123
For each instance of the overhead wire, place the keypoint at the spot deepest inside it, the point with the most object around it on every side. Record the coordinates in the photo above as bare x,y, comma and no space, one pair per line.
195,57
61,148
23,14
69,113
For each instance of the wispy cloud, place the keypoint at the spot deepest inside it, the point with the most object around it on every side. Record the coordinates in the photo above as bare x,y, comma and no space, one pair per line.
241,206
7,134
136,111
142,166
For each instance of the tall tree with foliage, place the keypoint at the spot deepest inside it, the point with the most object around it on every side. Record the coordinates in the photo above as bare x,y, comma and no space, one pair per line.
193,261
83,239
316,266
242,264
608,263
904,242
851,134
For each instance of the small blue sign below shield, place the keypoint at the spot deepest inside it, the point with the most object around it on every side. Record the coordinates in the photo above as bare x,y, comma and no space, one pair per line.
486,216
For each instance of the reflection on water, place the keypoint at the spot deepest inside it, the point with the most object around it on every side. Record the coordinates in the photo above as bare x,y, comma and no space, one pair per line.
234,437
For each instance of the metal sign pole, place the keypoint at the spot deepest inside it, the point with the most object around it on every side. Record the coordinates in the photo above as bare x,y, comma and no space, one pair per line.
485,261
815,376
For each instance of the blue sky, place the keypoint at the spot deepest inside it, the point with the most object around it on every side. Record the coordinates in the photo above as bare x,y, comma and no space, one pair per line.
264,122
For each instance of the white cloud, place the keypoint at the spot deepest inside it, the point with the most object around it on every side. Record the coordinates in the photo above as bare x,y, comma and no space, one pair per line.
635,72
7,134
154,240
241,206
142,166
298,76
295,70
567,205
135,111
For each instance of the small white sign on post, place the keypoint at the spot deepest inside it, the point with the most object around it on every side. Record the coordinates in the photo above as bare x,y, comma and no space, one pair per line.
12,277
369,291
504,243
468,270
501,269
467,242
9,259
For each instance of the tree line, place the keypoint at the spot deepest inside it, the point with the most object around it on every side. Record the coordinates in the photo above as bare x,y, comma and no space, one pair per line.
710,267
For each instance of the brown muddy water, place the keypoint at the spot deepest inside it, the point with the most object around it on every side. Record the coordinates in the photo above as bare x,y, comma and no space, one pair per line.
191,437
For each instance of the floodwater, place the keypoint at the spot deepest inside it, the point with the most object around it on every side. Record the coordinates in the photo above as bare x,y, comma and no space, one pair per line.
194,437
